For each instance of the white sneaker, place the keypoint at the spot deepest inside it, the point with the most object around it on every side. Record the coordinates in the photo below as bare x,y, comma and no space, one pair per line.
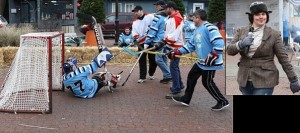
141,80
151,77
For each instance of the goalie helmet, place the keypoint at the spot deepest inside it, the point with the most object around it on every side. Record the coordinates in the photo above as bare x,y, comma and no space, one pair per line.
70,64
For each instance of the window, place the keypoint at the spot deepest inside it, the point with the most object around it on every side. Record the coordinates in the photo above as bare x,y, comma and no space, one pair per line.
110,19
113,7
197,6
129,7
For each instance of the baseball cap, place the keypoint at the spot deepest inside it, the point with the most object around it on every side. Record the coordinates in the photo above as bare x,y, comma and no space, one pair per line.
160,2
137,8
170,4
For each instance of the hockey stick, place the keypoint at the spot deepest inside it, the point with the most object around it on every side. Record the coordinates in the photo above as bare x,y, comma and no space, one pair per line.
132,69
139,52
99,37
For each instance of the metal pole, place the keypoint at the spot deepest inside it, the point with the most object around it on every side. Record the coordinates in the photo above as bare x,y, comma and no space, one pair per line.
117,24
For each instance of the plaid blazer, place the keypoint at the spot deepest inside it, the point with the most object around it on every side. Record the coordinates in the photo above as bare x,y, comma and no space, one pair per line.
261,66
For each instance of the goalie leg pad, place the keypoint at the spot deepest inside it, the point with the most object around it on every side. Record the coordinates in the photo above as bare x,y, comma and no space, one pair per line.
101,83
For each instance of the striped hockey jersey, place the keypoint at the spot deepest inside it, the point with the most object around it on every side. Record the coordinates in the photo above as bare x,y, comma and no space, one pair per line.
156,32
206,39
79,83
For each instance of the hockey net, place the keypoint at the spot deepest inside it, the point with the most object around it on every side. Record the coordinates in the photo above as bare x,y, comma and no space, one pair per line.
35,72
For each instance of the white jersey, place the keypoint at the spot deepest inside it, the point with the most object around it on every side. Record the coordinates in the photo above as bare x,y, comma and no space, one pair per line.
140,27
173,30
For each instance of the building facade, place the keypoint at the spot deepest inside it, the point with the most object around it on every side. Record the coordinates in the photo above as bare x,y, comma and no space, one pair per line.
53,14
44,14
128,5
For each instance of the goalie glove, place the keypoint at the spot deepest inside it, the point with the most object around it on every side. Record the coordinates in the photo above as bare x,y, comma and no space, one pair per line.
211,58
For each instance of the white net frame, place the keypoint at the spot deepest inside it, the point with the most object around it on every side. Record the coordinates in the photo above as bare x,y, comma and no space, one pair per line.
27,86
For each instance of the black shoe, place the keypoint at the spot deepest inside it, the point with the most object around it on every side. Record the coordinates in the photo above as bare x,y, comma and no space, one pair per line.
180,100
219,106
169,96
166,80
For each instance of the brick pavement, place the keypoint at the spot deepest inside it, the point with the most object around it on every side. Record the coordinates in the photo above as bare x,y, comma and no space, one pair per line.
131,108
231,72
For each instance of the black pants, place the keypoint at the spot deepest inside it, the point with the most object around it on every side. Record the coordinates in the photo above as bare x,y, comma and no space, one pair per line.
99,81
143,64
207,82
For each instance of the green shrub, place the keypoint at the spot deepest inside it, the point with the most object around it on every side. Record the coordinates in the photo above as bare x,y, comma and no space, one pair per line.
10,35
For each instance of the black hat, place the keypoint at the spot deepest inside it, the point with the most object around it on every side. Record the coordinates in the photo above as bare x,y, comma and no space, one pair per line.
137,8
160,2
257,7
170,4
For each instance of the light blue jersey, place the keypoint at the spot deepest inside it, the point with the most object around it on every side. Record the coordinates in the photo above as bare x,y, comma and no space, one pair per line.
156,31
189,27
206,39
125,38
79,83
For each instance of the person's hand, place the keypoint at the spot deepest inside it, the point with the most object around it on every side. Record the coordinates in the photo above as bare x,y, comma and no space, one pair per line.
294,85
136,36
160,44
146,46
246,41
123,44
172,53
210,59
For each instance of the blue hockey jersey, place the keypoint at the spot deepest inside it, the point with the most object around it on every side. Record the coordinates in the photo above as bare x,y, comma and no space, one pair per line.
79,83
156,31
189,27
125,38
206,39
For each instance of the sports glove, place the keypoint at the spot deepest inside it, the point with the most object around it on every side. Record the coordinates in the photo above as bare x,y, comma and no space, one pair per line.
146,46
210,59
136,36
123,44
172,53
160,44
246,41
294,85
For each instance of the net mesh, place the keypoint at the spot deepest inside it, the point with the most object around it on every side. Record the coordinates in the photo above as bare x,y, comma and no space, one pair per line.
26,86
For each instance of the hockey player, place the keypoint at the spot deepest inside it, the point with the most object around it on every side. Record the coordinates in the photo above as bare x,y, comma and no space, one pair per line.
156,34
76,78
173,38
140,27
208,44
125,38
189,27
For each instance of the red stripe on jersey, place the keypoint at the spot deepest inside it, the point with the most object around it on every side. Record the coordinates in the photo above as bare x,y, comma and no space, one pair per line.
169,41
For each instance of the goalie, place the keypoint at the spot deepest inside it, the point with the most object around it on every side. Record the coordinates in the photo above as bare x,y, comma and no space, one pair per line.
76,78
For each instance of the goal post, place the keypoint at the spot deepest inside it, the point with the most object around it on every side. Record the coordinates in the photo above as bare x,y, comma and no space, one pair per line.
35,72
